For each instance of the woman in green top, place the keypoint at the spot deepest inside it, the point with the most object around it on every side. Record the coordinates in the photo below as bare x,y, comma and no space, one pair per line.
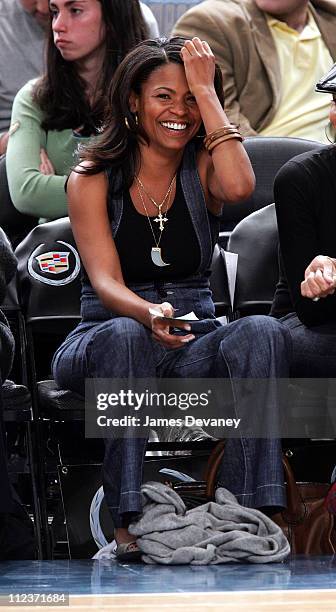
51,116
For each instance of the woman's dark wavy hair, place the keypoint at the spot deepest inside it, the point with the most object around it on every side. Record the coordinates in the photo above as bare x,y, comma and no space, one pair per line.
116,147
60,93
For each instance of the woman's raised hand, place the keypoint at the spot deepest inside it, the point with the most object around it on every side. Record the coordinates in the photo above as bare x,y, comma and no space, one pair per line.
199,64
160,327
320,278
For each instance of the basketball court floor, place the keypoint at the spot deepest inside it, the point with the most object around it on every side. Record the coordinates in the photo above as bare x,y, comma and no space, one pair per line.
301,584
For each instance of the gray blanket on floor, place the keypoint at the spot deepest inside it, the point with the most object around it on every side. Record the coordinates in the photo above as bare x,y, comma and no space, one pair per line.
216,532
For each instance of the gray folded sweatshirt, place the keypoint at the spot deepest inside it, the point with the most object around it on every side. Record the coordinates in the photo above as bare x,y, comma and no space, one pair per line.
216,532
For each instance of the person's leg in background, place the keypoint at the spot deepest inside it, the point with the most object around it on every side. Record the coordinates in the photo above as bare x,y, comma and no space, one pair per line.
6,500
17,539
314,360
7,346
314,348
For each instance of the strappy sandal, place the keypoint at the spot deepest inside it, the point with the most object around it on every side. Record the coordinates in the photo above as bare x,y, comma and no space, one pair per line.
129,551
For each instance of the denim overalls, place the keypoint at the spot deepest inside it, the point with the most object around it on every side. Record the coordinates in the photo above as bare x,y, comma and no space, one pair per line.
106,345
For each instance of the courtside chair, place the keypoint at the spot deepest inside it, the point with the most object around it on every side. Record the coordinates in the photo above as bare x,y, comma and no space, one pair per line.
48,283
255,241
267,156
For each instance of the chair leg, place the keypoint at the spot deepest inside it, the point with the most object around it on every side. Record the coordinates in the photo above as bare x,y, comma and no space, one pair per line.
39,521
37,459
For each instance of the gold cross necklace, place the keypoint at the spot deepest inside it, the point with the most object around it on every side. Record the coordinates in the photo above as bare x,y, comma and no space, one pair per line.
156,250
161,218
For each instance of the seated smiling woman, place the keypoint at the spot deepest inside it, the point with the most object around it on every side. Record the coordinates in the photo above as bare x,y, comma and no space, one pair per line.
152,190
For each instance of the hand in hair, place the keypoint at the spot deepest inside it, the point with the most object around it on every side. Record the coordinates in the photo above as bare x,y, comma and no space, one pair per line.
199,65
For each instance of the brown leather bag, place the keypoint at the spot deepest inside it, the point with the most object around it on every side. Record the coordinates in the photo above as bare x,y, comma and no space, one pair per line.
201,491
306,522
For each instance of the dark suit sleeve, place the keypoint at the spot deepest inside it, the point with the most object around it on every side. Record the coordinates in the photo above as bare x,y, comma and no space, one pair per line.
302,234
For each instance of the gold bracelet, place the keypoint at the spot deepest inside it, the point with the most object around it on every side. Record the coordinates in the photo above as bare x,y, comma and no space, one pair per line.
209,139
219,141
219,136
222,131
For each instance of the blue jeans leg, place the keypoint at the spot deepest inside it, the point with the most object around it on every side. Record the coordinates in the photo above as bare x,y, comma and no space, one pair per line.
266,347
253,347
133,356
256,347
116,348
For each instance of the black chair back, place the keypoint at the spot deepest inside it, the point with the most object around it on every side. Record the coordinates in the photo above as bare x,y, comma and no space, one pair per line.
267,156
12,310
255,240
219,283
49,276
49,289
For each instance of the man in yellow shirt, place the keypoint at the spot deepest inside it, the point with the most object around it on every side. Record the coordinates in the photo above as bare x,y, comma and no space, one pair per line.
271,53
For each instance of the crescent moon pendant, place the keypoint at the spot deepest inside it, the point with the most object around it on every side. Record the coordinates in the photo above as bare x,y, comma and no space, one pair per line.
156,257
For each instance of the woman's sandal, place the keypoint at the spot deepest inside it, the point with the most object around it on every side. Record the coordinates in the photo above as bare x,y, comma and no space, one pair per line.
129,551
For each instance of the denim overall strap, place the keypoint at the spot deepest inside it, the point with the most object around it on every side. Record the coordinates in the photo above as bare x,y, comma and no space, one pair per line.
192,189
115,203
194,196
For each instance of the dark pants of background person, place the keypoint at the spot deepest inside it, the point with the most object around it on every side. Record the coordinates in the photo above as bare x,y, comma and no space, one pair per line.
314,348
17,538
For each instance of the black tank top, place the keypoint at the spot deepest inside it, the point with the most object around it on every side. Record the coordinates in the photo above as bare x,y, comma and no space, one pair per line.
179,245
